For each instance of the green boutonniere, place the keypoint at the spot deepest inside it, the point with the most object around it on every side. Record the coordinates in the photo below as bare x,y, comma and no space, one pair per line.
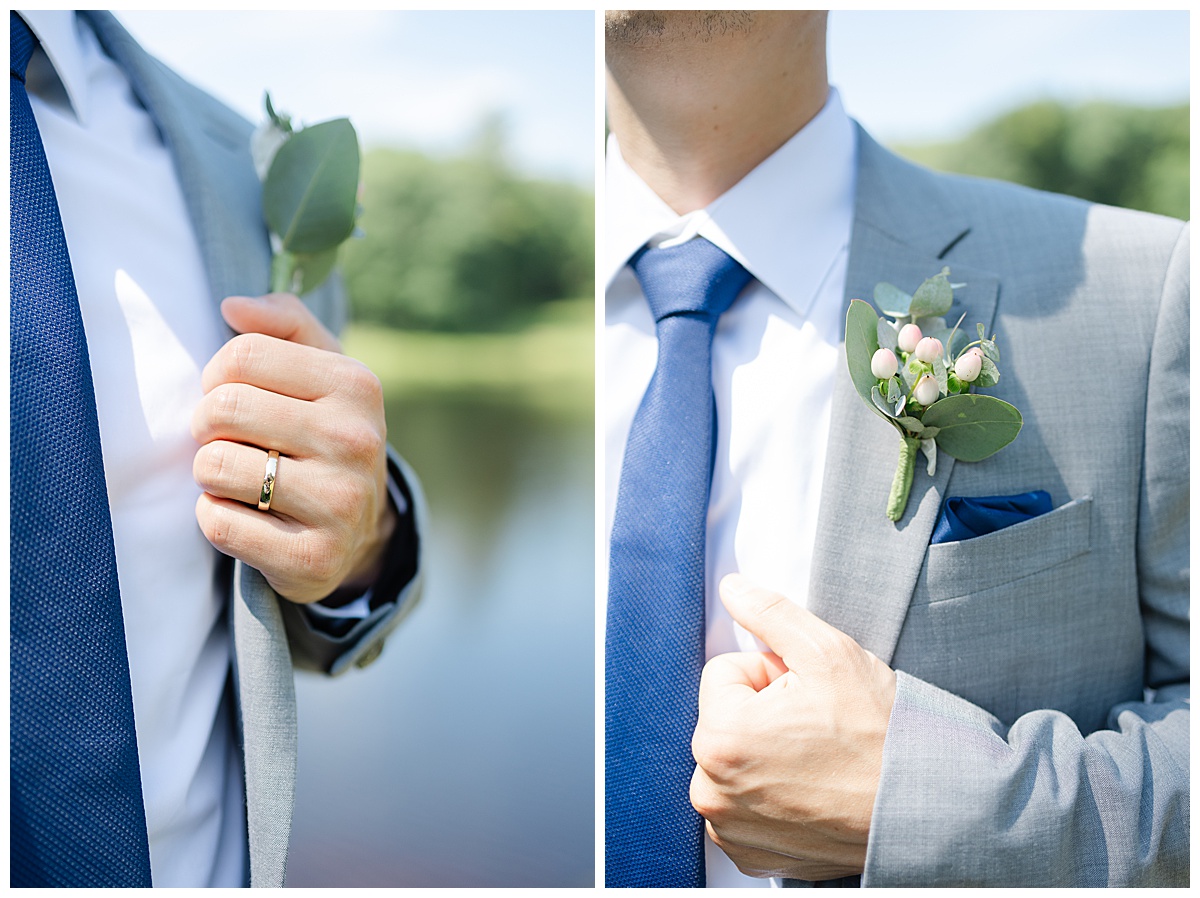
310,195
918,375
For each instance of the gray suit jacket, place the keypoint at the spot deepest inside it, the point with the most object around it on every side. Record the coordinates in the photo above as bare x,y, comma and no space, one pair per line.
211,148
1040,731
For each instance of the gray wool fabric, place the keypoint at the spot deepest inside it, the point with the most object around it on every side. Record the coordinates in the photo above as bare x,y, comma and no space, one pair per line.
211,148
1040,731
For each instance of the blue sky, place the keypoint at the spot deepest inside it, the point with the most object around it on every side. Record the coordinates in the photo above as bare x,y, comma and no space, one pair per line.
425,79
914,76
420,79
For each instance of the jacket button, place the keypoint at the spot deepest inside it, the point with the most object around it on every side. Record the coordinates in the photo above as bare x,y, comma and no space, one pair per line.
370,655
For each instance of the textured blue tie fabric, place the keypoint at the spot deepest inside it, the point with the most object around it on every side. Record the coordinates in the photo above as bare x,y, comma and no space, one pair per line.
654,645
967,518
76,815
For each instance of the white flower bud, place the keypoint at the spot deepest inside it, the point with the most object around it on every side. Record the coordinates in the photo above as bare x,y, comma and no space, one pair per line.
927,390
264,144
910,335
969,364
928,349
884,364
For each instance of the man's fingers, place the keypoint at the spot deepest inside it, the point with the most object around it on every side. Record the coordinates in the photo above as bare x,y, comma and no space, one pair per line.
246,414
752,861
751,670
788,630
307,490
299,562
290,369
278,315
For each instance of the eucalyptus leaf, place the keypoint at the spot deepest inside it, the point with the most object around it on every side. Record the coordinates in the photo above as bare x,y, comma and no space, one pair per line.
310,194
990,349
989,374
972,427
982,333
861,343
931,325
886,335
929,447
911,373
313,268
928,433
881,402
933,297
891,300
939,374
894,391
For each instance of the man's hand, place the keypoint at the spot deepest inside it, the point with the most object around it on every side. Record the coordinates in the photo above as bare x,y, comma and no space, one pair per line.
283,384
789,743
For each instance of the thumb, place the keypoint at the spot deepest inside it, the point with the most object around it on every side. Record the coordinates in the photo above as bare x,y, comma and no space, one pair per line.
788,630
279,315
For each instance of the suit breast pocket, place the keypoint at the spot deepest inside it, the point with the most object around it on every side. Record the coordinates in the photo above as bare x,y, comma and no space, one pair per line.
1022,550
1028,617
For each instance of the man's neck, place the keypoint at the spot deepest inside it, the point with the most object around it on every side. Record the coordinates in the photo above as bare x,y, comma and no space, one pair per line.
695,114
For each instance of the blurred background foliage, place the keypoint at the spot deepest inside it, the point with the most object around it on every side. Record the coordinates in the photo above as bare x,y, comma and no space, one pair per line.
472,300
1122,155
465,243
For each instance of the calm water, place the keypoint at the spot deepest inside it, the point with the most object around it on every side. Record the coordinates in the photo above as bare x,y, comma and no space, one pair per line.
465,755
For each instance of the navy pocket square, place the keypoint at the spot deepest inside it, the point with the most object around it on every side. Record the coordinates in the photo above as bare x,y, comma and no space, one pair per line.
966,518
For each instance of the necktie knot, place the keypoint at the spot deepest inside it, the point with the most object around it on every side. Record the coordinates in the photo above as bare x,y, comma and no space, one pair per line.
695,277
21,44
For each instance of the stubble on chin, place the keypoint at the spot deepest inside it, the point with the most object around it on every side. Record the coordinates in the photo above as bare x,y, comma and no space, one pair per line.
648,27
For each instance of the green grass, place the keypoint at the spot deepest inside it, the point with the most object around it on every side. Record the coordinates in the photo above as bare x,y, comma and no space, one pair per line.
549,364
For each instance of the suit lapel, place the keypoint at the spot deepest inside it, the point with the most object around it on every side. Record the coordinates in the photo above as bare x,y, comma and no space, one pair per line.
864,566
210,146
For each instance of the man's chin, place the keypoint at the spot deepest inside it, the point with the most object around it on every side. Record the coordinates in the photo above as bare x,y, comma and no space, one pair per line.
649,27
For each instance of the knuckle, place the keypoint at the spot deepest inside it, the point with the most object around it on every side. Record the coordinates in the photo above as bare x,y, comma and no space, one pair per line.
212,466
345,499
360,441
362,384
227,405
220,529
772,604
718,753
704,798
833,650
317,557
242,356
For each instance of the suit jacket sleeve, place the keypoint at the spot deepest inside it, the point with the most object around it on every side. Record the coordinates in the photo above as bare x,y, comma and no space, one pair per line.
966,799
314,644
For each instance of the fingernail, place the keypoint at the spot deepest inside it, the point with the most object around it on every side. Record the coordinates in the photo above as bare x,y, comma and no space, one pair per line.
734,584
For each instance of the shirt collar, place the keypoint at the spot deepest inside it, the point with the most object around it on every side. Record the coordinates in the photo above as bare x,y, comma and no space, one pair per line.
786,221
58,32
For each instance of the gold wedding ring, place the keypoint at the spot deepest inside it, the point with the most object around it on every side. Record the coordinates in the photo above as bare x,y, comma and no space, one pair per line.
268,487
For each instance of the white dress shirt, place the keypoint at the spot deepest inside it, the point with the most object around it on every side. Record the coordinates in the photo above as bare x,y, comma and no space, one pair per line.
151,326
774,360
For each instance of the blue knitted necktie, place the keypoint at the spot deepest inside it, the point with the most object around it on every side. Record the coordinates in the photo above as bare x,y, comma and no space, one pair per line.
76,814
654,648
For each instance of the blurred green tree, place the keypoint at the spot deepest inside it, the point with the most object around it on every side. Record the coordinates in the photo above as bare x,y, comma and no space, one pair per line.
1122,155
465,244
